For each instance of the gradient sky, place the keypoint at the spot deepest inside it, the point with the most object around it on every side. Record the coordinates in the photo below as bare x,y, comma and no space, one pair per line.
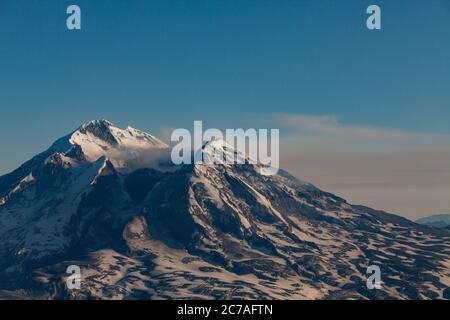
157,65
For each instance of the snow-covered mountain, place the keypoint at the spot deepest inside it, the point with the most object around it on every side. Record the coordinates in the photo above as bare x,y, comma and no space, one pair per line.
110,201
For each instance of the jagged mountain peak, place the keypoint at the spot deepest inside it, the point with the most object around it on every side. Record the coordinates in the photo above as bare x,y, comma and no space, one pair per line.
99,123
99,138
126,149
105,133
100,129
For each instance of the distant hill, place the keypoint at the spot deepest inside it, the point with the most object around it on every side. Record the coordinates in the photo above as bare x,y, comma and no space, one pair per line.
436,221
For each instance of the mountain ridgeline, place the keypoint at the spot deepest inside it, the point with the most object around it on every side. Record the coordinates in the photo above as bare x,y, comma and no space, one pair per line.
110,201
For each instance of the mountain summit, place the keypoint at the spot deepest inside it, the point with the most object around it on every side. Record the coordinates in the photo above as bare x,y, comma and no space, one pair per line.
104,199
97,138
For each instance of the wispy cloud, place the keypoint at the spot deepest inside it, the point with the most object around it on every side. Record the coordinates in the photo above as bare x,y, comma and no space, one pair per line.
330,126
391,169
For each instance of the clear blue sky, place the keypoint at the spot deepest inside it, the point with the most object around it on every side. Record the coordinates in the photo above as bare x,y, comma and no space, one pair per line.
156,64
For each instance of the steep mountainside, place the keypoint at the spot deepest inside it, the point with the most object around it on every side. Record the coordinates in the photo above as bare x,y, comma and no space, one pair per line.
109,201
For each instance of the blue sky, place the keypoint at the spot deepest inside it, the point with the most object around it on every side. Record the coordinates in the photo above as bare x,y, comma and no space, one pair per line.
163,64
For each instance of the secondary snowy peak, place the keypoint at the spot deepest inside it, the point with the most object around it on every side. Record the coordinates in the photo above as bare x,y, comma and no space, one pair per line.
100,138
219,151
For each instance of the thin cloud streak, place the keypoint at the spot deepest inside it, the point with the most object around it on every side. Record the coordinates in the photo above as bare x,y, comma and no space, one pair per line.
402,172
329,126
